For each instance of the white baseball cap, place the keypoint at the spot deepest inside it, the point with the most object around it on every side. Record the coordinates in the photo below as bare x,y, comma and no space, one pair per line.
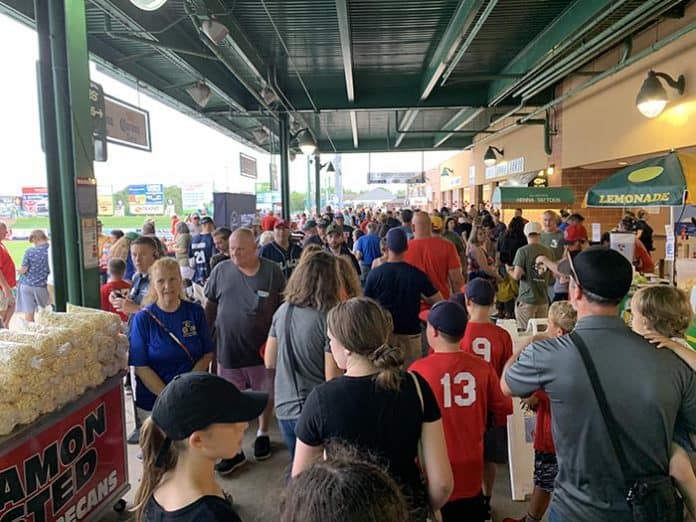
532,228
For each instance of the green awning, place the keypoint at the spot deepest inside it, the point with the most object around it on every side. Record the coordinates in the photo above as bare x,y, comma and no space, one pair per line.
665,181
525,196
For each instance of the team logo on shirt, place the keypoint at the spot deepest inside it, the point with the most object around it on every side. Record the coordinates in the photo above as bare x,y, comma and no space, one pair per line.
188,329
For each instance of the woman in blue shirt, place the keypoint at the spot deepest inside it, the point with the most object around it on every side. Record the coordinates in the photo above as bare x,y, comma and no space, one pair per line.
168,337
32,290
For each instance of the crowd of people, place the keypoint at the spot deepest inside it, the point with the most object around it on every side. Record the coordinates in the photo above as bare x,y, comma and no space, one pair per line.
369,336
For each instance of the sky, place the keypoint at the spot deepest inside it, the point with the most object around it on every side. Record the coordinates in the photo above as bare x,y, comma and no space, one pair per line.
184,150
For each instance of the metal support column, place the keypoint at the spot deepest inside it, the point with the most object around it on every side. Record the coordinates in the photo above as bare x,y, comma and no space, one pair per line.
67,133
283,132
317,184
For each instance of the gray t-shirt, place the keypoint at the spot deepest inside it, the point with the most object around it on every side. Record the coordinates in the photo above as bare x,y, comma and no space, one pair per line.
245,309
533,285
309,342
553,241
647,390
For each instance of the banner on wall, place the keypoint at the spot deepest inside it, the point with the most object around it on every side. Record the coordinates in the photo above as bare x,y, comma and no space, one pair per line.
146,199
396,177
196,195
105,200
35,200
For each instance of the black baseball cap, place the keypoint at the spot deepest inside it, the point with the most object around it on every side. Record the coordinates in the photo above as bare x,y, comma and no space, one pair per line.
480,291
448,317
601,271
193,401
206,220
309,224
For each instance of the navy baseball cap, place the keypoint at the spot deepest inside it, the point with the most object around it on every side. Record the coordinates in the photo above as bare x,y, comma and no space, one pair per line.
397,241
193,401
207,220
601,271
448,317
480,291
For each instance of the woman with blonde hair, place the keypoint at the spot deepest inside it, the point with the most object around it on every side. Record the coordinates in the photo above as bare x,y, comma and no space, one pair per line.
32,287
197,419
296,345
480,264
350,280
377,407
168,336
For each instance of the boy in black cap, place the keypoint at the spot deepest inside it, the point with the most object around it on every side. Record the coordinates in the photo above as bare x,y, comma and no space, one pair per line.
197,419
467,391
201,251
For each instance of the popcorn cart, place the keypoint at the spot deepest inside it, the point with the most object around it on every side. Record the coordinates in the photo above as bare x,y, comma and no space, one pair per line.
62,420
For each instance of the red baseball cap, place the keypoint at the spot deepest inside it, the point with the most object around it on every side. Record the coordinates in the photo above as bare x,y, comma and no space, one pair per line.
574,233
281,224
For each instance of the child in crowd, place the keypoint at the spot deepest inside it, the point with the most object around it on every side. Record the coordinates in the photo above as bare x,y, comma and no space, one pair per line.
562,318
494,345
197,419
341,488
662,314
117,269
467,391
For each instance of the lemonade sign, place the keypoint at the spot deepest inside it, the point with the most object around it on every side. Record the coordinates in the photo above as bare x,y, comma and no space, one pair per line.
662,181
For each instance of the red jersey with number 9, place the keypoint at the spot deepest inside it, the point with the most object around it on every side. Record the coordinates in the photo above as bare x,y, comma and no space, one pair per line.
466,389
490,342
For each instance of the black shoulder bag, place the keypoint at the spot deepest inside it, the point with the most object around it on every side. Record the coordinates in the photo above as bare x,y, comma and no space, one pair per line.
652,498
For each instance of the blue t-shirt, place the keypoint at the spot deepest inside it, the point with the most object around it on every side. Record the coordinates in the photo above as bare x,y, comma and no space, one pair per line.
151,346
36,262
398,288
201,250
369,246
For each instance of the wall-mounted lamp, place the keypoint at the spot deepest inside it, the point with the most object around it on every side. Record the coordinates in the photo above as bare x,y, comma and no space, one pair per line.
652,97
148,5
490,158
200,93
550,170
306,142
215,31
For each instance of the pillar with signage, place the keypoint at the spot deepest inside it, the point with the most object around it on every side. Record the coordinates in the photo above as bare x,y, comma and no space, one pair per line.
67,133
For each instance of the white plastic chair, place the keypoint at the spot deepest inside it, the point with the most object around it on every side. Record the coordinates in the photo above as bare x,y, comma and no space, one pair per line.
534,324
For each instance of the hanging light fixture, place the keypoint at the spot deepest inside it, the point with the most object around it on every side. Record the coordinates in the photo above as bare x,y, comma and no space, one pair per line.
306,142
148,5
330,169
652,97
490,158
215,31
200,93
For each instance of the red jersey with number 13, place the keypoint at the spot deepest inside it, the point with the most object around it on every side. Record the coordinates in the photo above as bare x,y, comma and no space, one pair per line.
466,389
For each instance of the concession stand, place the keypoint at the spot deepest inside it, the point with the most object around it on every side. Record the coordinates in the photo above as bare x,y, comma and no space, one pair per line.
664,181
62,421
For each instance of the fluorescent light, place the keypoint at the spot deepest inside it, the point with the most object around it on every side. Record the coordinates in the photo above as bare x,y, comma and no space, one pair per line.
148,5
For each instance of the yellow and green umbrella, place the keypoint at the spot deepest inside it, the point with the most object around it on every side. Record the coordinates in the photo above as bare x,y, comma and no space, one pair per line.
665,181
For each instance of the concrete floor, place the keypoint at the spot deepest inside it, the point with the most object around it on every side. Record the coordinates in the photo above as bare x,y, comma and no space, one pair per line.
257,486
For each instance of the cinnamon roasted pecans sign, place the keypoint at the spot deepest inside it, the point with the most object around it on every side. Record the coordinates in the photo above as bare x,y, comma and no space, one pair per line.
68,471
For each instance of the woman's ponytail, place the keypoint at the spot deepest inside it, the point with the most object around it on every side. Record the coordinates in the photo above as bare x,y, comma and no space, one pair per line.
388,360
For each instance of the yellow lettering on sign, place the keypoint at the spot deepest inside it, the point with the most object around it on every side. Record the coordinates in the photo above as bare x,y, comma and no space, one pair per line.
633,199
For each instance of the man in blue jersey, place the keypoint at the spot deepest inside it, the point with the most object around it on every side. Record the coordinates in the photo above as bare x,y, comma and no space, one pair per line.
367,249
201,251
281,250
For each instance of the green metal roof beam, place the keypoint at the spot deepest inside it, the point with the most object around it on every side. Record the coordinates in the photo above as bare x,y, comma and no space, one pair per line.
557,35
381,145
464,16
456,123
